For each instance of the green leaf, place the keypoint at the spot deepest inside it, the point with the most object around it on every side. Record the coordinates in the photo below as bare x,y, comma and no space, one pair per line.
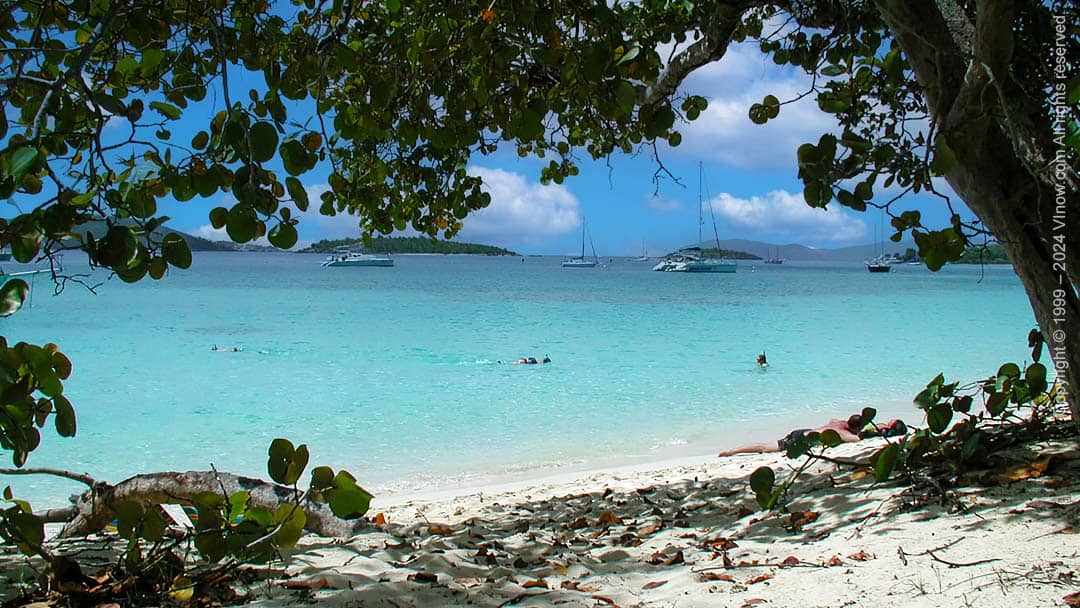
1035,376
241,224
297,192
201,140
12,295
129,515
1009,370
885,461
294,157
281,453
65,416
830,438
211,544
263,139
348,500
282,236
995,405
762,480
631,53
175,250
19,161
939,416
294,520
218,217
322,478
166,109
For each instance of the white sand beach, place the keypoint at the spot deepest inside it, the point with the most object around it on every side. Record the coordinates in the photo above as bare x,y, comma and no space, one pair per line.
684,533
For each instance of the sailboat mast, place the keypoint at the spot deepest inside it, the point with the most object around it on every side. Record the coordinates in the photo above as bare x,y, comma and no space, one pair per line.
700,221
583,239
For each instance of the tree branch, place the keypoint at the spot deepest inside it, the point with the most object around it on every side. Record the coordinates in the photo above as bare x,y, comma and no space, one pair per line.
82,478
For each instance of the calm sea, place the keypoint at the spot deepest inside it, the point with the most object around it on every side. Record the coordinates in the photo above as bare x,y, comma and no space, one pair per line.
394,374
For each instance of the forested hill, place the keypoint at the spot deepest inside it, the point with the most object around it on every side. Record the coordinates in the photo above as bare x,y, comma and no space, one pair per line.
991,254
405,244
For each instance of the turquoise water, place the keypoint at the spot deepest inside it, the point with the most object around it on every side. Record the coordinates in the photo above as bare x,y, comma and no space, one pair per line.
393,373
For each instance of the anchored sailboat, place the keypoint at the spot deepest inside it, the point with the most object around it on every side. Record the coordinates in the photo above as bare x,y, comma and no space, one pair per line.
580,261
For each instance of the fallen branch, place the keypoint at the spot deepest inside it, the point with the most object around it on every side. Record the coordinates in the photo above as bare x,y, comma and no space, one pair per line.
94,508
81,478
930,553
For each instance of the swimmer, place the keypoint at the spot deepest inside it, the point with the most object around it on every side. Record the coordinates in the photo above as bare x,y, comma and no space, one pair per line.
762,361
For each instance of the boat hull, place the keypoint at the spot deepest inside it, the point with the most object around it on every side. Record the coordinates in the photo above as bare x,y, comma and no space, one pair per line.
879,268
707,266
378,262
578,264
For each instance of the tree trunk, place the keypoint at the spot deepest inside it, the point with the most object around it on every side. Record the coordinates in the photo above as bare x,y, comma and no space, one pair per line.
1008,170
94,508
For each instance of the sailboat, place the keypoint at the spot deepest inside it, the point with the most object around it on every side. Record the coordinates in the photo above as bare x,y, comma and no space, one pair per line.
881,263
580,261
644,257
708,264
776,259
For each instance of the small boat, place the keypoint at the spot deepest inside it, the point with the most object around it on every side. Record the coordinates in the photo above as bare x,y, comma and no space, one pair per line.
353,258
776,259
879,264
580,261
644,257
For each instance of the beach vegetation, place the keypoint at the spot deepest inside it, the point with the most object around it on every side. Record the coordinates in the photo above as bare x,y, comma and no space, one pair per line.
968,427
991,253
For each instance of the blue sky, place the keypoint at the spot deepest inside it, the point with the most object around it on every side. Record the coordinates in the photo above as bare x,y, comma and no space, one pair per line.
750,177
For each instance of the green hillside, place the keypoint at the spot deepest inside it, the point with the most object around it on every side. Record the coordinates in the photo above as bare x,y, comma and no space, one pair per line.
405,244
991,254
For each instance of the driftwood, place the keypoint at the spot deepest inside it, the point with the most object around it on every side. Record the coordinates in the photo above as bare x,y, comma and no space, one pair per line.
94,508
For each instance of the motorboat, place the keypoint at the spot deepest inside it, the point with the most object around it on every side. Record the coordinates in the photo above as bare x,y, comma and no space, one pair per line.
354,258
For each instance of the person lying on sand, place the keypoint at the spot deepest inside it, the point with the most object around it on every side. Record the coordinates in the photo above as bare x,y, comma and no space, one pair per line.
850,431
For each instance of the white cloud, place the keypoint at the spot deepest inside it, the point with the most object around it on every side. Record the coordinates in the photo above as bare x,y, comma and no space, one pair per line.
782,213
519,211
663,204
724,131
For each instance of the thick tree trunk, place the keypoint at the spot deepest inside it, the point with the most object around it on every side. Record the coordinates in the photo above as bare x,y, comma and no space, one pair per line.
94,508
1008,168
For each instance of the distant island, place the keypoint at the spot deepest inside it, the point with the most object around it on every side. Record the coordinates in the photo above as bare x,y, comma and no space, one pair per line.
991,254
731,254
405,244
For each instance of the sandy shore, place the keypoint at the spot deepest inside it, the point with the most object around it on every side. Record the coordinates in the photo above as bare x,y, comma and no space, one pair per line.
682,533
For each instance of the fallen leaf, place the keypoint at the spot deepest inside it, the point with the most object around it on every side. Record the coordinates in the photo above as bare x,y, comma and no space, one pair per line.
469,582
743,512
661,558
862,556
654,584
578,523
1072,600
439,529
607,518
801,518
380,520
789,562
646,490
754,601
423,577
536,583
1024,471
607,492
318,583
716,576
758,579
720,544
859,474
649,529
834,561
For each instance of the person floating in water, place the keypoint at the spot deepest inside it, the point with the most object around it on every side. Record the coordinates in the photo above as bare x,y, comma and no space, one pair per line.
532,360
762,361
850,431
233,349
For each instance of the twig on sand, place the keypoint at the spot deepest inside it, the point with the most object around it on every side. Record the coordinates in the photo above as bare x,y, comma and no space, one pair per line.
930,553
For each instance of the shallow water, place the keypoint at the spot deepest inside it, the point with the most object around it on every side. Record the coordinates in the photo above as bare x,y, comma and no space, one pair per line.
393,373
